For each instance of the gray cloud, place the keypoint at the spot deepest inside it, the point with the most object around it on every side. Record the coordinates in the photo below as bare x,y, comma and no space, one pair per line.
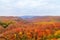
29,7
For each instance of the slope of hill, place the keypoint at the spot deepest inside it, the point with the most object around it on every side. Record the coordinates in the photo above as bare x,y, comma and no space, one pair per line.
28,25
15,22
43,19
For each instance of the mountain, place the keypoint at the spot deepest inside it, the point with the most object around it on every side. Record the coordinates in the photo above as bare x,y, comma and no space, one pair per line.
25,17
44,19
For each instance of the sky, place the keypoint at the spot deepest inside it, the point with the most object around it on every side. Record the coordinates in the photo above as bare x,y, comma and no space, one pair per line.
29,7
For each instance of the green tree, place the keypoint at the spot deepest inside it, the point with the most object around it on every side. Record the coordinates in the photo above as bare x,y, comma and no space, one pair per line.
5,24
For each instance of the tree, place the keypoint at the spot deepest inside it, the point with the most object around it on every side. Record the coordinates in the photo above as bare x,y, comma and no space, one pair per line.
5,24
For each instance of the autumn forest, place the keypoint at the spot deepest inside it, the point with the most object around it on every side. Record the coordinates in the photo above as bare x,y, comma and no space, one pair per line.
30,28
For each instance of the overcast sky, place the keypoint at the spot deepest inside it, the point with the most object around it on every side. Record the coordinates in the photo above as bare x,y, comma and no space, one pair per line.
29,7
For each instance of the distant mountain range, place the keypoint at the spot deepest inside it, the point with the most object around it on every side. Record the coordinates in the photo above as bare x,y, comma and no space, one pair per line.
24,17
30,18
41,18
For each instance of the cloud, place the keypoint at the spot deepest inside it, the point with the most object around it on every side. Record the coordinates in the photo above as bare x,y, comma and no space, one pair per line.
31,3
29,7
46,4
